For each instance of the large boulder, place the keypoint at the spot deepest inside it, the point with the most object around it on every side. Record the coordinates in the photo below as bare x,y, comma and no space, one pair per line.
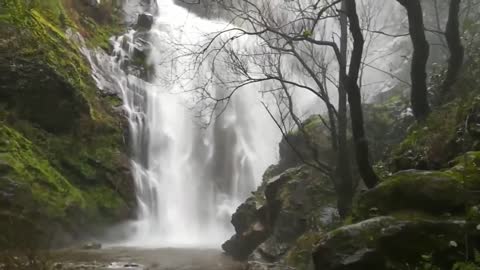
429,191
298,146
249,222
389,242
285,207
435,192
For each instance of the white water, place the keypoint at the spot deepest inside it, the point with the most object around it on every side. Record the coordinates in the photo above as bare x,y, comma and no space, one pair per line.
189,180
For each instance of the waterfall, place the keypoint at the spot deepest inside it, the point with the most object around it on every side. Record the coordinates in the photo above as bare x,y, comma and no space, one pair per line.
189,179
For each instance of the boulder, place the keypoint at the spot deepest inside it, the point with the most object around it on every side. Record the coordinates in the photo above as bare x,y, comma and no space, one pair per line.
316,138
449,191
286,206
248,221
144,21
428,191
385,242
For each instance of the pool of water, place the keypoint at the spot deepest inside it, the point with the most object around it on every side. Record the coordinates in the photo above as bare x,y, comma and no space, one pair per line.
143,259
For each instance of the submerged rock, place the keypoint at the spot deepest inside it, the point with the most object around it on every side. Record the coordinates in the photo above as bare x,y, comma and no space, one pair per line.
99,266
92,245
267,266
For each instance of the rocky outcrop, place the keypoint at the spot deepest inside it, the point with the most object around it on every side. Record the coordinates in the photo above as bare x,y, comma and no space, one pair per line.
144,21
392,243
63,153
425,212
449,191
412,218
285,207
298,146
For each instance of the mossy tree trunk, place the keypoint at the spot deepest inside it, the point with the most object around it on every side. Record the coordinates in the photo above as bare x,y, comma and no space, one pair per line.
421,51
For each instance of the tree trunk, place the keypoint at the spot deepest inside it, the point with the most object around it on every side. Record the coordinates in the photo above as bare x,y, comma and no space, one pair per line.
345,186
421,50
452,33
355,100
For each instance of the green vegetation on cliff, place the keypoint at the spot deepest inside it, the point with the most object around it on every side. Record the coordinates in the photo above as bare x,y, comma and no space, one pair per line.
62,144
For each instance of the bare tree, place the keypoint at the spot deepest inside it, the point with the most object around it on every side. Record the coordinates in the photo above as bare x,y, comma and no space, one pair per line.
421,50
344,169
355,99
455,46
289,55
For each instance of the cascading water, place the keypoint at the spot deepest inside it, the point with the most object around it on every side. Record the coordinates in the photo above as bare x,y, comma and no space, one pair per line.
189,180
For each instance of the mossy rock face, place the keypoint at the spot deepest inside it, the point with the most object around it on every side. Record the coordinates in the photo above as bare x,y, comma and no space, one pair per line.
448,191
300,255
63,152
33,189
391,243
37,94
315,138
286,206
430,191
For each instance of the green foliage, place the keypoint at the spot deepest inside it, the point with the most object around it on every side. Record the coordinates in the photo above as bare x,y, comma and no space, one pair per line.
442,136
307,33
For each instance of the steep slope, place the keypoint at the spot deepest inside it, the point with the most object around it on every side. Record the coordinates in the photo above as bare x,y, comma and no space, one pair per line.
62,145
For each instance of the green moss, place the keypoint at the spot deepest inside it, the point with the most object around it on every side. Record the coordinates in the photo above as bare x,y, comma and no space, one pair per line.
53,193
450,129
45,38
429,191
61,143
466,168
300,255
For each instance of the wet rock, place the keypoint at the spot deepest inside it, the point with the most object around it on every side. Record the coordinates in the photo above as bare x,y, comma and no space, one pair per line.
428,191
93,3
255,265
98,266
373,243
242,245
317,138
92,245
286,206
144,21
